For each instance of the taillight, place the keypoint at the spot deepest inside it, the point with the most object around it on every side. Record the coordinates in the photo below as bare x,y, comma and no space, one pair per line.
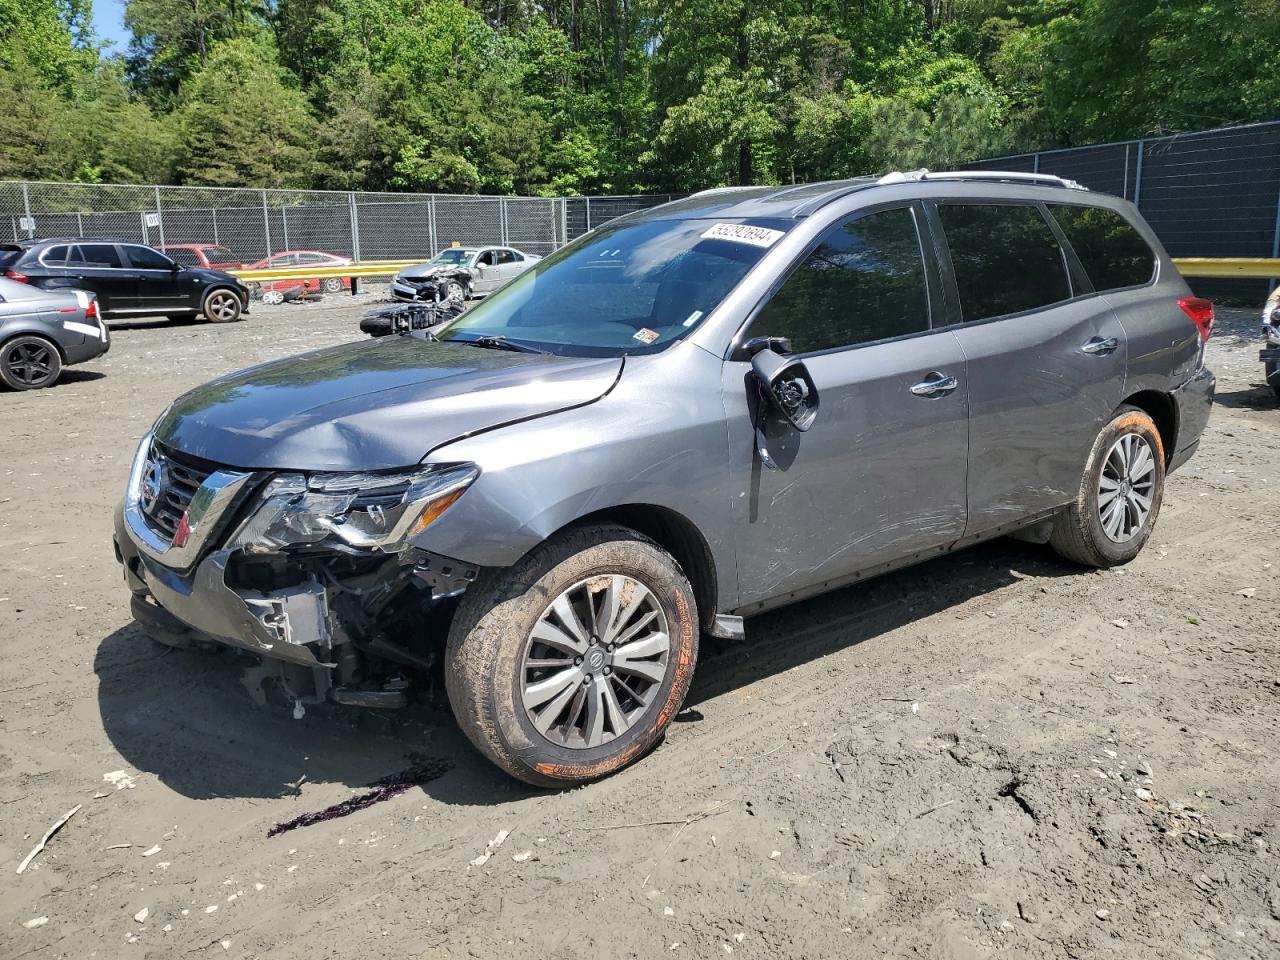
15,275
91,311
1200,311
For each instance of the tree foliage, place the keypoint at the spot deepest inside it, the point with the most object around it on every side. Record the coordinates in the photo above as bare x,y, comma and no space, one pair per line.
564,96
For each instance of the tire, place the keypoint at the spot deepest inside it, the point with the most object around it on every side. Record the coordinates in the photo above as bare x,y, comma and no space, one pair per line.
221,306
272,297
489,681
332,285
1079,532
28,362
1273,377
453,290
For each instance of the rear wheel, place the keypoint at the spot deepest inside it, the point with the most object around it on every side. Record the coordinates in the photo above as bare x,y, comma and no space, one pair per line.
29,363
1119,497
221,306
332,285
569,666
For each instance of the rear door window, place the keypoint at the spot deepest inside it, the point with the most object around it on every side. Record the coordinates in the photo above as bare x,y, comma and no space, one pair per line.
1113,252
864,281
94,255
1005,257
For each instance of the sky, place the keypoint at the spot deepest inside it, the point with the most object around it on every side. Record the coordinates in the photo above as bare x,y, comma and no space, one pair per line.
108,21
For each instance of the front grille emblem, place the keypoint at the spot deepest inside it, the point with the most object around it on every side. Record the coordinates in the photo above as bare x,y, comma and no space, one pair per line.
153,480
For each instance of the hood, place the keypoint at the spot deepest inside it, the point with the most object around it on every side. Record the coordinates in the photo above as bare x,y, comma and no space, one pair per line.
373,404
424,271
212,276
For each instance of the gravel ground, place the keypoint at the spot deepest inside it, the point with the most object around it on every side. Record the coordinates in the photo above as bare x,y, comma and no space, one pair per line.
993,753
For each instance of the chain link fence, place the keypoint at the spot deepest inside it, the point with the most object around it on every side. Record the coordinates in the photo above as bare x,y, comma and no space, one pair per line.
255,224
1214,193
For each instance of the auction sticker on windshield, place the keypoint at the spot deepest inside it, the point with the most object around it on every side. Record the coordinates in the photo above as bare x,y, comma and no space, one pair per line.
743,233
645,335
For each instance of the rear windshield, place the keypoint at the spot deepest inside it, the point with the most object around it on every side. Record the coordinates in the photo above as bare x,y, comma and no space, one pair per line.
1112,251
620,290
218,254
187,258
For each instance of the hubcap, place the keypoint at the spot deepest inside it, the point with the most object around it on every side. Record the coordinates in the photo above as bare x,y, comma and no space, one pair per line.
29,363
594,661
1126,488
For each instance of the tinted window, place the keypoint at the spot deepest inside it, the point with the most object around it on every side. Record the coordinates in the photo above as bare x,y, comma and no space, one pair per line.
188,258
55,256
144,258
9,255
864,281
486,258
1006,259
1112,251
94,255
505,256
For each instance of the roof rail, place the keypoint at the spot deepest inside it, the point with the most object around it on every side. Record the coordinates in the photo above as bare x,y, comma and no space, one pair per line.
712,190
999,176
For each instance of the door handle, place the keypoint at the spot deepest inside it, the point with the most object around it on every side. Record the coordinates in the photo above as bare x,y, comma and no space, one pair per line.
1100,346
935,385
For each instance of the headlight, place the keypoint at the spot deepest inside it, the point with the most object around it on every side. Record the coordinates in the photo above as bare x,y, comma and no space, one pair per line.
368,510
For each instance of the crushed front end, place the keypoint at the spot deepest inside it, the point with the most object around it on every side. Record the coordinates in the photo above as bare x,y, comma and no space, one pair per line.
315,573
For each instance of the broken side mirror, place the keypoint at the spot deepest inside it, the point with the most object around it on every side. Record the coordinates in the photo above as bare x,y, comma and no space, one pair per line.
786,387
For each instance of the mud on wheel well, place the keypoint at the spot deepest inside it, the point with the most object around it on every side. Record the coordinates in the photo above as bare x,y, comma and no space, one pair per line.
680,538
1160,407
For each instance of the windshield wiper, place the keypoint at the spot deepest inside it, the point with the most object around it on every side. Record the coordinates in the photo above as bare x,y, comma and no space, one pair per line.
491,342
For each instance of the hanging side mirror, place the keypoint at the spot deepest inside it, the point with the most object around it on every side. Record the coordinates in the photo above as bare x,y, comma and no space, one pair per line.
786,388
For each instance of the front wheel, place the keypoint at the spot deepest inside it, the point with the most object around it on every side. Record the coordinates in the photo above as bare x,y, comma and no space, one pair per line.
1119,497
453,290
29,363
221,306
569,665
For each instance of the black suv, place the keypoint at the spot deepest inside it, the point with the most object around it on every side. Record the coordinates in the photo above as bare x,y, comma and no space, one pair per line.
130,279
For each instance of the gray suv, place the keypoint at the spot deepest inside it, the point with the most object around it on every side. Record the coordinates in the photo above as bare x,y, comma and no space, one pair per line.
690,415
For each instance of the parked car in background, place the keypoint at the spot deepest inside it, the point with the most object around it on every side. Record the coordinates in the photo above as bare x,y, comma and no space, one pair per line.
291,259
692,414
130,280
1270,354
211,256
472,271
43,331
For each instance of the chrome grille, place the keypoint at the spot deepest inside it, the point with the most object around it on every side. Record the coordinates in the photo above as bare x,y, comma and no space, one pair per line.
167,488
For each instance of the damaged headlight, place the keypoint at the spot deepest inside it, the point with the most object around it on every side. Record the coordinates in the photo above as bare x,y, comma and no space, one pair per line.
367,510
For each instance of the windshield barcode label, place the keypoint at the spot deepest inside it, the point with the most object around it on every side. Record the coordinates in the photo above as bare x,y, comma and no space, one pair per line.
743,233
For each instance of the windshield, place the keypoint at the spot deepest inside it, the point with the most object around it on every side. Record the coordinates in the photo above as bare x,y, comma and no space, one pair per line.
624,289
453,255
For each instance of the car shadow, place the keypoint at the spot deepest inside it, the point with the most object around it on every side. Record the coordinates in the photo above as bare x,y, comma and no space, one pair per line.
152,323
80,376
1256,397
189,718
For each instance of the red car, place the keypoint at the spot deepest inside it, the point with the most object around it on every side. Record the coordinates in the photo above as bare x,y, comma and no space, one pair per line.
208,255
302,258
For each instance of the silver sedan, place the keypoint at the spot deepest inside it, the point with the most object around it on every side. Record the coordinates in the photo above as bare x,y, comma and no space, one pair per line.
42,331
468,271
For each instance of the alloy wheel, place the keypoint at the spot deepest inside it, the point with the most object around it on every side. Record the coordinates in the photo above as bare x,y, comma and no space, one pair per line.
1126,488
222,306
594,661
32,364
332,285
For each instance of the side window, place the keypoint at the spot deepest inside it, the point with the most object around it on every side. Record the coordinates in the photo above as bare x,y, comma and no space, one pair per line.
1112,250
485,259
863,281
54,256
506,256
515,257
1006,259
94,255
144,258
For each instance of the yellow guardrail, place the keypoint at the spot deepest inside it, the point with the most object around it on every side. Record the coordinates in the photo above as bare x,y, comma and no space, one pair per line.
1240,268
1230,268
367,268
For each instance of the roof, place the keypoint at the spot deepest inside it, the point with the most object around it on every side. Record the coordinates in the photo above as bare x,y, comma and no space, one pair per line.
795,201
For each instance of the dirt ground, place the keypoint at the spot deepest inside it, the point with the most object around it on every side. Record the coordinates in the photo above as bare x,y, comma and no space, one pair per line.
992,754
